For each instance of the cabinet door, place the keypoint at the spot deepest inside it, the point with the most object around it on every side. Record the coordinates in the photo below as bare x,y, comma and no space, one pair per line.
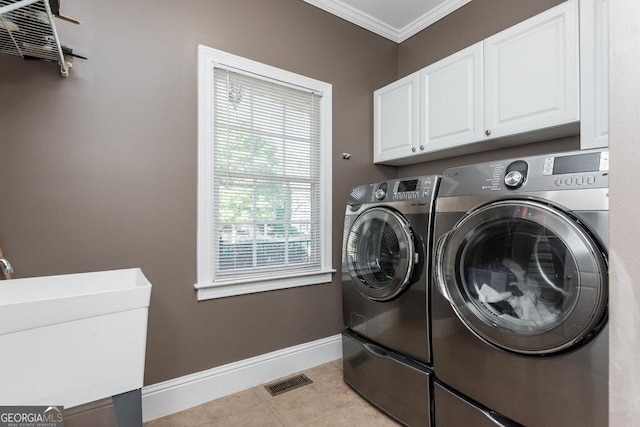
395,119
451,100
594,73
531,73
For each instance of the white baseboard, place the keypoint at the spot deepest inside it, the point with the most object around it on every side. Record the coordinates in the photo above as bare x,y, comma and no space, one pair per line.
181,393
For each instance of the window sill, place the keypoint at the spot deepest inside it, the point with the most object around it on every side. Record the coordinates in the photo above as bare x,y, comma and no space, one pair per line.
208,291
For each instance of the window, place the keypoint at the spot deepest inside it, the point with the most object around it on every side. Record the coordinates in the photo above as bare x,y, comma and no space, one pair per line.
264,177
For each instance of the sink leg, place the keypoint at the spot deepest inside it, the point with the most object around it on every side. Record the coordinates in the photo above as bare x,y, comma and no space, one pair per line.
128,408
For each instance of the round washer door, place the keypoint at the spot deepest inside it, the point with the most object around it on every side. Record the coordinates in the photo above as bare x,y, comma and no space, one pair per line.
524,277
380,253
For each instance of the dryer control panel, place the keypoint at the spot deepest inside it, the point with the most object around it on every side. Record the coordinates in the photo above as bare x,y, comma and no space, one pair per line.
577,170
576,163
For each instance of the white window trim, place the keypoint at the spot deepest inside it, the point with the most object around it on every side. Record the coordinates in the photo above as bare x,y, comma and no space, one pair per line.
207,58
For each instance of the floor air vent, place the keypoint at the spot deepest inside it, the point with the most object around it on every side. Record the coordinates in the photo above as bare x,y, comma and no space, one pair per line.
287,385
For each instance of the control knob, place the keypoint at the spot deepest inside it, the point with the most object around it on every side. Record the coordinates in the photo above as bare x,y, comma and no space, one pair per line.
513,179
380,193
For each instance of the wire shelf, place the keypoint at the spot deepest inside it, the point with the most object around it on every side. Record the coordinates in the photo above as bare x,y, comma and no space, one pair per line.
27,30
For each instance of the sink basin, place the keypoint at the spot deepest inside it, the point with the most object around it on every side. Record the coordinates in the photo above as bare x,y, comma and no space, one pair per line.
72,339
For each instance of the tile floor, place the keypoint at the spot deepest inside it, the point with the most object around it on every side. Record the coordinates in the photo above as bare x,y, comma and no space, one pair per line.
326,402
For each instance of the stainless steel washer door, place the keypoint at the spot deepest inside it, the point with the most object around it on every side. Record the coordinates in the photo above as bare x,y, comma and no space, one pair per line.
524,276
380,253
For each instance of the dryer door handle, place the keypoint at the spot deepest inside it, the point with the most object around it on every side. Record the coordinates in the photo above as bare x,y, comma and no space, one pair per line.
441,283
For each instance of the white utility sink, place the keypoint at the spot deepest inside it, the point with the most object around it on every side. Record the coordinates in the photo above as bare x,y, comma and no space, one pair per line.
72,339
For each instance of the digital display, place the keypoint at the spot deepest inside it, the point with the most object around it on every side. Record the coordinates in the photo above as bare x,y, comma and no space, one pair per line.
408,186
577,163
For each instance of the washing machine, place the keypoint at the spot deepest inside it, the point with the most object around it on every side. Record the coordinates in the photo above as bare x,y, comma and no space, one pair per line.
519,310
386,261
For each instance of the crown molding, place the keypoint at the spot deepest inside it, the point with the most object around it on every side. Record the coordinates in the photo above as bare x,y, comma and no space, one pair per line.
355,16
398,35
434,15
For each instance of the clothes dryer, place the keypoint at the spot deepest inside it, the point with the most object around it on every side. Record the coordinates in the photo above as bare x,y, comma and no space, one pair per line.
386,261
519,315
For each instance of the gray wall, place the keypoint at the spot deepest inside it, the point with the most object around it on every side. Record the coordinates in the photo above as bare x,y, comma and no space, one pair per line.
624,279
98,171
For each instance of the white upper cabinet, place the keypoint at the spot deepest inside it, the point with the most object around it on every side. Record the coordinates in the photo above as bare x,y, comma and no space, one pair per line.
531,73
396,121
451,96
594,73
518,86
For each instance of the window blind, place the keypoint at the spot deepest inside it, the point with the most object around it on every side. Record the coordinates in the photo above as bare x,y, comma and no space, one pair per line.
266,178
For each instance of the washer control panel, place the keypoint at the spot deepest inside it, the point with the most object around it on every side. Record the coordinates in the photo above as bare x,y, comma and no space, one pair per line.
405,189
